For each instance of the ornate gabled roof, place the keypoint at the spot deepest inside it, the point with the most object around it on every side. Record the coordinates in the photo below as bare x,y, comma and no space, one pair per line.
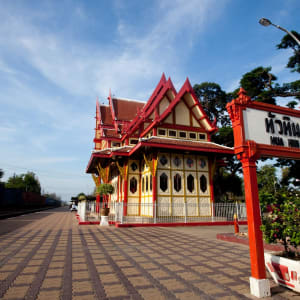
125,120
188,96
126,110
165,88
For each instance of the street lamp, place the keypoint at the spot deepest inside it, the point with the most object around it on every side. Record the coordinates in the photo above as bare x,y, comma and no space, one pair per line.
266,22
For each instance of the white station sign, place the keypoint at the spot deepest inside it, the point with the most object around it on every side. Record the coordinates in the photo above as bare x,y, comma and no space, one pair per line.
271,128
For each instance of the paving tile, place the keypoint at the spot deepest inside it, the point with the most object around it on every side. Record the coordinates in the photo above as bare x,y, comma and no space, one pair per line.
31,269
79,266
139,281
109,278
187,295
151,294
4,275
130,271
172,284
115,290
158,273
48,295
104,269
190,276
52,282
16,292
10,267
82,286
148,265
208,287
24,279
54,272
84,297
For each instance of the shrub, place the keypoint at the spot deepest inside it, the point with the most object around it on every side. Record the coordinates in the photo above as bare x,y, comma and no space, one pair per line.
281,222
105,189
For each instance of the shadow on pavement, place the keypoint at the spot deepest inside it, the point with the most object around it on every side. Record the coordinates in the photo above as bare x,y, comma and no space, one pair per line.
14,223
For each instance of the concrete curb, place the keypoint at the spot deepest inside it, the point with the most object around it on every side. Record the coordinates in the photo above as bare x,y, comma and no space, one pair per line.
231,237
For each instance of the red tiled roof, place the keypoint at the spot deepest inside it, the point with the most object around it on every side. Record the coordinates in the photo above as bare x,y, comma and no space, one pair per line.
209,146
106,115
126,110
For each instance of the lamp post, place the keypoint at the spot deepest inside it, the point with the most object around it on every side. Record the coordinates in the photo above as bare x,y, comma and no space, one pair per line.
266,22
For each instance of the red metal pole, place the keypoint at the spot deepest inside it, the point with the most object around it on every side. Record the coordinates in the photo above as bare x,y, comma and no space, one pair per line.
258,270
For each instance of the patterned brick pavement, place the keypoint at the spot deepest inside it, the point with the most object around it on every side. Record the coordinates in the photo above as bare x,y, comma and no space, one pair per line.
54,258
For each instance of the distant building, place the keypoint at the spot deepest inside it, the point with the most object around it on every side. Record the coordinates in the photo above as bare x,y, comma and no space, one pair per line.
158,155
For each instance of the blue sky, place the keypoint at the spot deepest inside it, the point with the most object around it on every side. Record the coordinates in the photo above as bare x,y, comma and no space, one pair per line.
57,57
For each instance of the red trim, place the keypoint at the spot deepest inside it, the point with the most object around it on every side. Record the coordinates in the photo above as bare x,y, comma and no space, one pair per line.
286,283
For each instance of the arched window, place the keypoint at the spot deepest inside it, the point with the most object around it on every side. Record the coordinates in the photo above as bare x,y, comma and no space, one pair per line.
163,184
133,185
190,183
177,182
203,184
150,183
143,184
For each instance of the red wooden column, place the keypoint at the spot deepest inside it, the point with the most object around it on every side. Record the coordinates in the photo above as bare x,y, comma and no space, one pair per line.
125,190
256,248
118,189
97,203
98,197
211,169
154,182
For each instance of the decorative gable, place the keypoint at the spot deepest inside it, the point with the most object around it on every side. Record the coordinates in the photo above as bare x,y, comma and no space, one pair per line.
182,114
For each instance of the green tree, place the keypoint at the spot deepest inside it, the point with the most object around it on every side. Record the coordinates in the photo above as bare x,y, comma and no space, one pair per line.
1,173
27,182
259,84
291,171
288,42
266,179
213,100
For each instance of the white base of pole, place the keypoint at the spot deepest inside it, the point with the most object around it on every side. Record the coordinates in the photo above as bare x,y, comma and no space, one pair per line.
104,221
259,288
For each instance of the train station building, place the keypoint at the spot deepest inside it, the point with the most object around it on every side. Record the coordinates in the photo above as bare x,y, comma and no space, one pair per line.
158,155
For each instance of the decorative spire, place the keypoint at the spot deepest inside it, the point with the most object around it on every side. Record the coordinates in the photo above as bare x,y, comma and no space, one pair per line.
243,98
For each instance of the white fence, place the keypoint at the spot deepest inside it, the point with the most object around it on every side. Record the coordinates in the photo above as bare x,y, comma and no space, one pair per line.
170,213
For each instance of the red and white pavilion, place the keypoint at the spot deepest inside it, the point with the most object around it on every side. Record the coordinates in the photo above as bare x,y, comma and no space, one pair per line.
157,152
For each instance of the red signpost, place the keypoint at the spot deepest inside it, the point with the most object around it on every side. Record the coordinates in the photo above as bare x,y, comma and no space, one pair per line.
266,130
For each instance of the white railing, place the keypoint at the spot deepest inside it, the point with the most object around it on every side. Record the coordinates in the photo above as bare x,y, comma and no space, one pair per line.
167,213
175,213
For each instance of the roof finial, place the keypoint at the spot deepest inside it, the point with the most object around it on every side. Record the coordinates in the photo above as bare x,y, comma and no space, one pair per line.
243,98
